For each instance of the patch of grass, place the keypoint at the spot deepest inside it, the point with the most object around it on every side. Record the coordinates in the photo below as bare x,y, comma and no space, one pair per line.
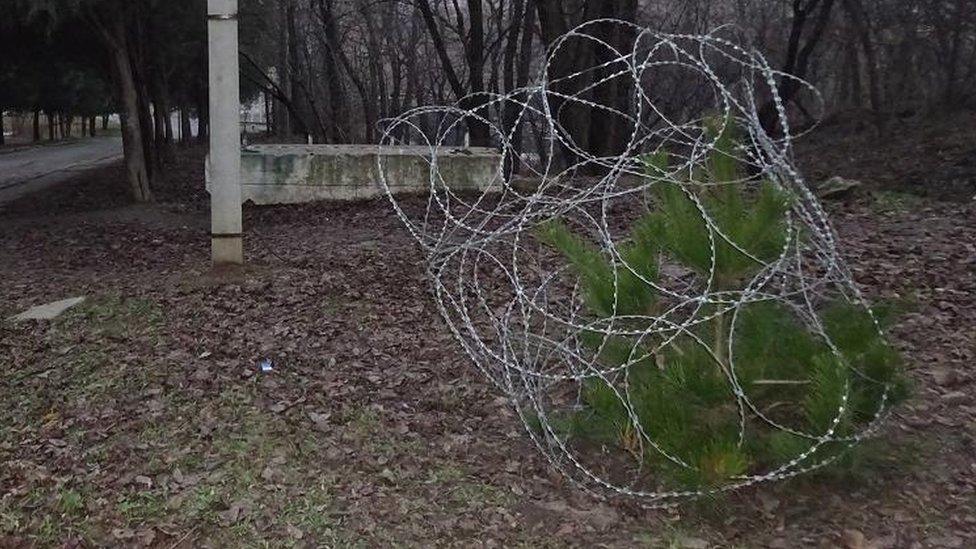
331,305
235,447
251,443
91,373
673,536
141,507
312,513
12,518
465,490
117,317
234,400
29,513
45,516
71,502
246,535
82,363
154,433
87,373
48,532
190,461
202,504
894,202
391,449
35,498
482,494
931,520
363,422
447,474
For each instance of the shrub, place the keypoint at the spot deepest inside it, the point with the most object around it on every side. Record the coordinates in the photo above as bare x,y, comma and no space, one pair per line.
697,411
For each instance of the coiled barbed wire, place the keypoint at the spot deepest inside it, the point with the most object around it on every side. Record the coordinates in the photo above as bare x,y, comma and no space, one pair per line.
501,295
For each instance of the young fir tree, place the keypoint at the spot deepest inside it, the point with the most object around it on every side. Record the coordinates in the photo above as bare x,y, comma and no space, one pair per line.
681,393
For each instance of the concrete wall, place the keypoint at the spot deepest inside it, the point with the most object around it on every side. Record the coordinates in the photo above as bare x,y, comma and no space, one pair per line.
288,174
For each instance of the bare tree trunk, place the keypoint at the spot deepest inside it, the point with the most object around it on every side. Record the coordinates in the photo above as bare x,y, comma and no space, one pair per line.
327,13
480,131
162,121
798,55
170,132
953,95
186,128
609,131
3,128
135,35
91,126
269,85
159,125
573,119
517,64
472,98
132,129
377,76
268,122
282,114
859,20
301,98
37,125
203,112
159,88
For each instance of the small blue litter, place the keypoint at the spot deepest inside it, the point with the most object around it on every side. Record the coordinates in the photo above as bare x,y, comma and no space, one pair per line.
266,365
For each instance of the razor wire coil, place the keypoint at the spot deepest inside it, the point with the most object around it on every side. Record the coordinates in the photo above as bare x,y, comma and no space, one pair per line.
503,301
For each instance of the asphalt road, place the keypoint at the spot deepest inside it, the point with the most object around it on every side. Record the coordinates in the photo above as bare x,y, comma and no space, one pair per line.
37,168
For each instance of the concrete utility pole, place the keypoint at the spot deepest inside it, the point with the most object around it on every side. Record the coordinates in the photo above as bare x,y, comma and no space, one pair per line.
225,134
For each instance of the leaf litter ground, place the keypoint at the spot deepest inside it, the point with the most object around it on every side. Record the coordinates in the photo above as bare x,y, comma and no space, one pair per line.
143,418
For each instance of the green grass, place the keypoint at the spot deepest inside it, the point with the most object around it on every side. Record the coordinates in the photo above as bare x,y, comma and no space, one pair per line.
117,317
46,515
83,366
312,512
883,202
363,422
465,490
71,503
202,504
141,507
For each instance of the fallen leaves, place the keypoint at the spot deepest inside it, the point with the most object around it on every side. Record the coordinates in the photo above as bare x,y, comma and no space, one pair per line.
955,398
141,538
235,513
854,539
320,421
375,400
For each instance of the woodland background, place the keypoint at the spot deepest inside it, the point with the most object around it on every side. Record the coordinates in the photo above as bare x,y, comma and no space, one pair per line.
335,69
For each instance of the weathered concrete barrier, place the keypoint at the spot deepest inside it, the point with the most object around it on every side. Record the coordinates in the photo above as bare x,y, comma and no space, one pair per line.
289,174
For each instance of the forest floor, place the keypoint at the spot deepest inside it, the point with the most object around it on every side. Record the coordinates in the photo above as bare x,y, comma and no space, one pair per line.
142,417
